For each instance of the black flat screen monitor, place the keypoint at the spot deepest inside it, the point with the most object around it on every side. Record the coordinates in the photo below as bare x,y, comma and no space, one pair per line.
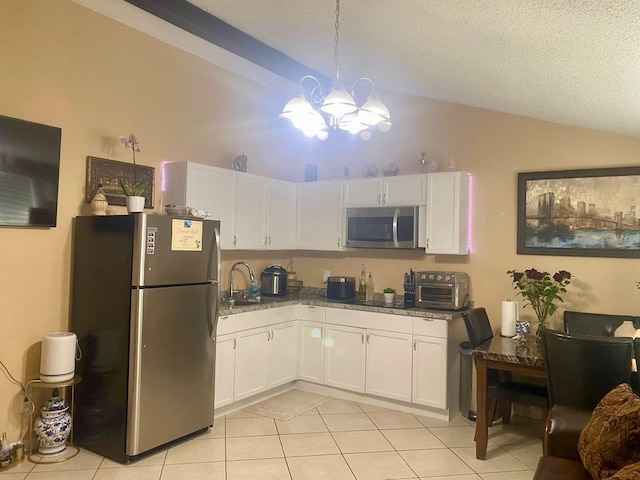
29,172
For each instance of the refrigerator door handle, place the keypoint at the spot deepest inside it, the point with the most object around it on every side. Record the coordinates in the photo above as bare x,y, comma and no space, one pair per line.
135,368
213,319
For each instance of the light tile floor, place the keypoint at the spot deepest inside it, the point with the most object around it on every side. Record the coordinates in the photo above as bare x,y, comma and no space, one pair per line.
338,440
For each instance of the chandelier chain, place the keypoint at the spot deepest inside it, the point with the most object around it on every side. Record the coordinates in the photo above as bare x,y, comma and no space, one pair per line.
337,38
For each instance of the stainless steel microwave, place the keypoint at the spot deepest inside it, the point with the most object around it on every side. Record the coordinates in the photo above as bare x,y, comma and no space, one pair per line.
382,227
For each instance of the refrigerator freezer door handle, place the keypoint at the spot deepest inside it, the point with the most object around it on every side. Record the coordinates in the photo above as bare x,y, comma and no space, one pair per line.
213,319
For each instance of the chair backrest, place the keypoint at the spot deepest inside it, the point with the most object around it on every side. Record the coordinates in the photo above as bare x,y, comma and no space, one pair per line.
581,369
478,326
600,324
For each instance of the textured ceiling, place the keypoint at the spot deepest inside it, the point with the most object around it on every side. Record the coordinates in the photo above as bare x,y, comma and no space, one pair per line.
575,62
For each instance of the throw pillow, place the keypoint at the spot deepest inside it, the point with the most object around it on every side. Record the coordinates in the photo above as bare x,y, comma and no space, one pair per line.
611,438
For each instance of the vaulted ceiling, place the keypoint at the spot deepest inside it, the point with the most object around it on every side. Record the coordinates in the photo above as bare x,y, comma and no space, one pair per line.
574,62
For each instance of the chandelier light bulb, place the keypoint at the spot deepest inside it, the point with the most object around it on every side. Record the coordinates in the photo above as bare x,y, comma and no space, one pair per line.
384,127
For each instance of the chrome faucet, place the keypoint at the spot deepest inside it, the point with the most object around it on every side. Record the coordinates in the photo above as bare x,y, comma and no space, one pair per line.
232,292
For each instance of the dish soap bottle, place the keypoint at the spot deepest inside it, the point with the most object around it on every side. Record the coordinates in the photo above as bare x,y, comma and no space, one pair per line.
362,289
369,294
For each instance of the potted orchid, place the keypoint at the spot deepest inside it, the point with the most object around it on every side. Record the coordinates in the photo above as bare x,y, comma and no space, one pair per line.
540,291
135,200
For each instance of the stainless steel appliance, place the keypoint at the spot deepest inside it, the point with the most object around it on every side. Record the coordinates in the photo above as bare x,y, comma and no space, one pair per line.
382,227
444,290
341,288
273,280
145,308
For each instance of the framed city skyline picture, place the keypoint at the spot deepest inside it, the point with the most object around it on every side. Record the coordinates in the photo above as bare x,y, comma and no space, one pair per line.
108,173
590,212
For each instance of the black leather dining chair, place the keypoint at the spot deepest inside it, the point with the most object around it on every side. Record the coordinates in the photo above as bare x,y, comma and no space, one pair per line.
582,369
501,389
584,323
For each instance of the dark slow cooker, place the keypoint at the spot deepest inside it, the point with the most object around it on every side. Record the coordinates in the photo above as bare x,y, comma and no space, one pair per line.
341,288
273,281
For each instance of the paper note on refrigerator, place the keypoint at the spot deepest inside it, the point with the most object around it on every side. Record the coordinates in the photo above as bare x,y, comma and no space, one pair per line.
186,235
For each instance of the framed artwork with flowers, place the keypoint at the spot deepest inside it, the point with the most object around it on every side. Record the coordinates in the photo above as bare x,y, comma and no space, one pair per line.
588,213
111,173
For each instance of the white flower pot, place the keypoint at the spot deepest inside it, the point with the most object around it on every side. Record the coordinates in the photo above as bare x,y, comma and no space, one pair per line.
388,298
135,204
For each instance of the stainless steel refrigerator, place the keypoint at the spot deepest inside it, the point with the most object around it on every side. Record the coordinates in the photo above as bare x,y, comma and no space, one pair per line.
144,307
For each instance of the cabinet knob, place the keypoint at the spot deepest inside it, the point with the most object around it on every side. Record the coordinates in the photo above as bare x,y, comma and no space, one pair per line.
234,239
384,198
269,239
265,239
234,343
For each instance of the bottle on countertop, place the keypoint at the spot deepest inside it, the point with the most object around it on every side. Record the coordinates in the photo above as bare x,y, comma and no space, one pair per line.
362,289
253,288
369,294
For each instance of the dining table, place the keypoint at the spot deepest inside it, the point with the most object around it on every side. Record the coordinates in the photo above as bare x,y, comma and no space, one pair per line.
522,356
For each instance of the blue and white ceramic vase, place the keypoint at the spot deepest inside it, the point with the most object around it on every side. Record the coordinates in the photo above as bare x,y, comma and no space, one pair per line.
53,427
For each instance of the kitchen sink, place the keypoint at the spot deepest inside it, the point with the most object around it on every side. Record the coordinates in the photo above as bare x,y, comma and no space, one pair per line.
243,302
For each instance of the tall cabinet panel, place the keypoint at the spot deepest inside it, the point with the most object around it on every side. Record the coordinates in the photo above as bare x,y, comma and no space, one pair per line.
251,214
207,188
320,216
281,214
447,217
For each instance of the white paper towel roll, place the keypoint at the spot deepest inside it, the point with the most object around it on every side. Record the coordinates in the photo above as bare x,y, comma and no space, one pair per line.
509,318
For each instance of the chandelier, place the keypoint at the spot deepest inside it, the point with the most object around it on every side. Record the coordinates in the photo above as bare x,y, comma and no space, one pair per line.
314,112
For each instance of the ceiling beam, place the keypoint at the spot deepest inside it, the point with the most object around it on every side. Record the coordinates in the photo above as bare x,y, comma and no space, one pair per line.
196,21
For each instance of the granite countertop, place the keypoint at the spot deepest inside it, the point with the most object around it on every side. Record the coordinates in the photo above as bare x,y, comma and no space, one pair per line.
317,297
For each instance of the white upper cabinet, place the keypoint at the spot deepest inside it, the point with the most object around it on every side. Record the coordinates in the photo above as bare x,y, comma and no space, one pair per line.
281,214
405,190
320,219
255,212
266,213
251,212
207,188
447,213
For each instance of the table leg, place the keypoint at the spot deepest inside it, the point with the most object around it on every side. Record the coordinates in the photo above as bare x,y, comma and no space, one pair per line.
482,428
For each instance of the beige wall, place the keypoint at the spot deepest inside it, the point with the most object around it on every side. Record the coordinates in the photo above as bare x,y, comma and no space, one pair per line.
67,66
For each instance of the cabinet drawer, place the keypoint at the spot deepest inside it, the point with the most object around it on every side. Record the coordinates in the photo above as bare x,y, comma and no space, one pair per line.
263,318
430,327
226,325
312,313
362,319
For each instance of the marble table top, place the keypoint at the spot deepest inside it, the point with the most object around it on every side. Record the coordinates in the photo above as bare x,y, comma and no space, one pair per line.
508,350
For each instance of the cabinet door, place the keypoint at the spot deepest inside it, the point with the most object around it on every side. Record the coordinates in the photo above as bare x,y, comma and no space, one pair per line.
320,216
430,371
362,193
251,362
207,188
251,220
447,213
311,366
345,357
281,214
406,190
225,368
389,364
283,353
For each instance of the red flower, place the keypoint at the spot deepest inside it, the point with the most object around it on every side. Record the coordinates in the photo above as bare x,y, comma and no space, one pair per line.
561,275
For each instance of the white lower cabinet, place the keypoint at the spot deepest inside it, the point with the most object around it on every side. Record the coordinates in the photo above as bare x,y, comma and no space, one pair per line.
311,366
282,355
225,369
430,371
390,356
252,347
389,364
345,357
